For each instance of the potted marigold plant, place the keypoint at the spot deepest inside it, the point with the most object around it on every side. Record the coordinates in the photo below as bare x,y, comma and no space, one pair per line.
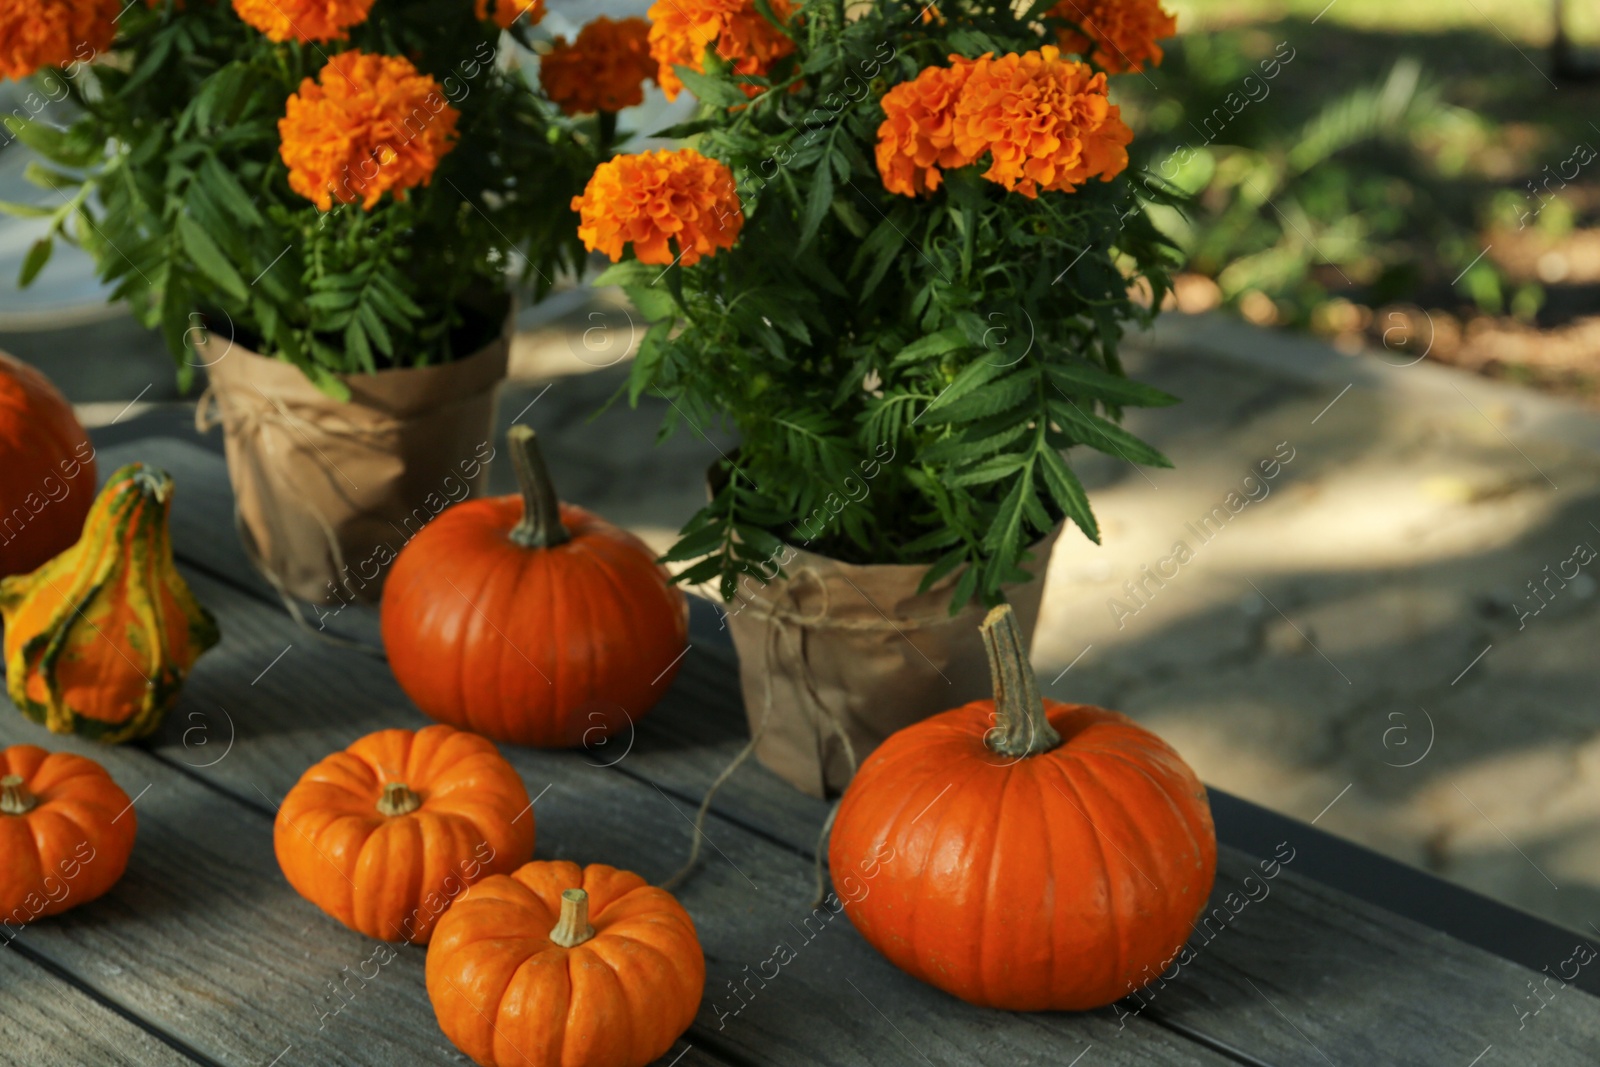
326,204
897,262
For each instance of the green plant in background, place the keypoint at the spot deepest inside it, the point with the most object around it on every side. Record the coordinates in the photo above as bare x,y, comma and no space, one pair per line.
1300,195
904,373
171,175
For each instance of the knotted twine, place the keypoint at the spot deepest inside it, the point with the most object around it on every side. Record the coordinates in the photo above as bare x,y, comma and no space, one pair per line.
833,658
327,492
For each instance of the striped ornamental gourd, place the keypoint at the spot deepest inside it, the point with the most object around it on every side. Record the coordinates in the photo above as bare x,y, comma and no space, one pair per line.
99,640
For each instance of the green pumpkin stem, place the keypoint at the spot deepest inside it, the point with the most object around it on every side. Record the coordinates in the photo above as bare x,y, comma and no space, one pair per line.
573,929
398,799
1023,729
14,796
541,511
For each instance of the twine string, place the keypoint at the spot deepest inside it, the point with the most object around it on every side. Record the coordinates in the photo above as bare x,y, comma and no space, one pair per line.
788,623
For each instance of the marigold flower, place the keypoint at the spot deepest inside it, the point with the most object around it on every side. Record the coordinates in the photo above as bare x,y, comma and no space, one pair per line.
53,33
508,11
303,20
653,197
603,70
917,136
680,30
1120,35
367,125
1044,120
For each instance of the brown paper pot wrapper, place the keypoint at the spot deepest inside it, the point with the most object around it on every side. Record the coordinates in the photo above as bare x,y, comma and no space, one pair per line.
834,648
328,492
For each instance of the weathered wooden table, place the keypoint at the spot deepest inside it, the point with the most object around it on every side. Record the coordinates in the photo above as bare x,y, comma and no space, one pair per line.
204,954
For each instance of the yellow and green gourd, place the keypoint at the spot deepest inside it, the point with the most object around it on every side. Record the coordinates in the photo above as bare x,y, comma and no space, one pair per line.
99,640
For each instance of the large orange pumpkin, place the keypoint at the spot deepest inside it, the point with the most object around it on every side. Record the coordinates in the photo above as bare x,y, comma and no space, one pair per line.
558,965
1025,854
99,640
531,621
385,835
46,469
66,831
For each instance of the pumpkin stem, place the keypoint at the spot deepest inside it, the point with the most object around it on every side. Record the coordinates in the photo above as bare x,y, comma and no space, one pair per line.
398,799
541,511
1023,729
573,928
14,796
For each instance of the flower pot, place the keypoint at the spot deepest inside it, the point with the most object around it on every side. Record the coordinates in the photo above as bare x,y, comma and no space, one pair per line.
834,657
328,492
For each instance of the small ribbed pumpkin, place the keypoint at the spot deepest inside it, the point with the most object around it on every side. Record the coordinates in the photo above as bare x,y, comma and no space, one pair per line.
46,469
385,835
66,831
532,621
99,640
1023,854
556,965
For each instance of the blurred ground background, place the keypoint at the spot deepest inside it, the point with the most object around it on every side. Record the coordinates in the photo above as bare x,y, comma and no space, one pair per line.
1394,634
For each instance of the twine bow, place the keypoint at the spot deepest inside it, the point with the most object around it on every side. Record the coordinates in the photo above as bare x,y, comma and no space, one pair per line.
791,624
279,440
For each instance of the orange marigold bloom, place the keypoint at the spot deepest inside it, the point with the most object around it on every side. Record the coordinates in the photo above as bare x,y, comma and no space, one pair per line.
1044,120
653,197
1120,35
917,136
367,125
508,11
680,30
53,33
604,70
303,20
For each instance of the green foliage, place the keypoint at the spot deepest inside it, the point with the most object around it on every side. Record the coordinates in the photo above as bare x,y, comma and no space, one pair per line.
1319,166
171,177
904,375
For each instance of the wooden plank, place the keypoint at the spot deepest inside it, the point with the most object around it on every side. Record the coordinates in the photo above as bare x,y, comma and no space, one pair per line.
1334,965
287,709
43,1020
1308,972
284,700
1362,984
1305,972
204,938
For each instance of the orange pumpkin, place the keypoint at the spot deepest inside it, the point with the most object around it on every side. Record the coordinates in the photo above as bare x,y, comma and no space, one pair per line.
66,831
99,640
46,469
386,834
557,965
531,621
1054,861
